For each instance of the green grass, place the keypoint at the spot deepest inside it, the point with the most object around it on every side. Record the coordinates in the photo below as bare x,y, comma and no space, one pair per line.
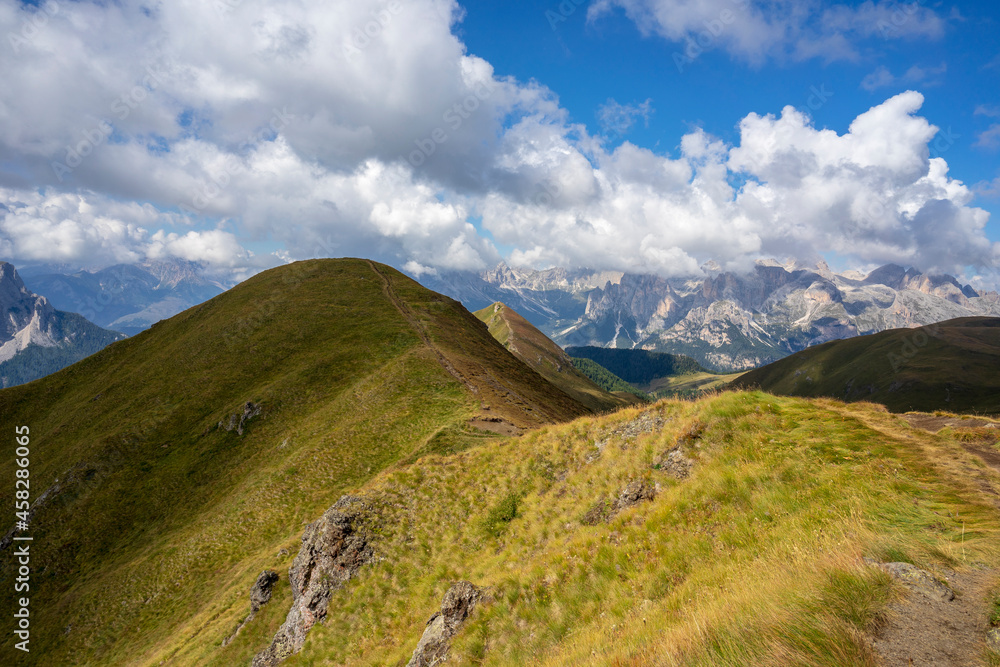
786,498
532,347
690,385
604,378
947,366
162,520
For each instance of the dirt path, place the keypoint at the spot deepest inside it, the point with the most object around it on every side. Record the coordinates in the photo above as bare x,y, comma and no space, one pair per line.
419,329
925,632
495,424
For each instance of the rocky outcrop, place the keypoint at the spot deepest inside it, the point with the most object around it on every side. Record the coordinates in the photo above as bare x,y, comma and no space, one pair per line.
333,549
260,595
635,492
458,604
675,463
921,581
237,422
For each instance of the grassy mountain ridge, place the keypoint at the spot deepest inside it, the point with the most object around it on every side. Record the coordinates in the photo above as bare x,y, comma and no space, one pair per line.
740,542
532,347
951,365
154,507
783,500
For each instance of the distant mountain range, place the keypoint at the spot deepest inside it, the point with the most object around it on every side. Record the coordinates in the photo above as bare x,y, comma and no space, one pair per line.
726,321
127,298
35,338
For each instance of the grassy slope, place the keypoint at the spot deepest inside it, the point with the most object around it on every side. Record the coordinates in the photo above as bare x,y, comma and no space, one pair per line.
161,517
532,347
604,378
638,367
689,384
755,559
948,366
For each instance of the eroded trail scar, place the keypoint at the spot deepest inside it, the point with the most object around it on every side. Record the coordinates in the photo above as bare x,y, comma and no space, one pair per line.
419,328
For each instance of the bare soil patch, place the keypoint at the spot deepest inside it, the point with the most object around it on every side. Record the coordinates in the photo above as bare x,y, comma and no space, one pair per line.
921,631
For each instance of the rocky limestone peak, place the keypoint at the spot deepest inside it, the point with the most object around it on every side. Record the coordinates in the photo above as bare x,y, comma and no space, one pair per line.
28,318
890,275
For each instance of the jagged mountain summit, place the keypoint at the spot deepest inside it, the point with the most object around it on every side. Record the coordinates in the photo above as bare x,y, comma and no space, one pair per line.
727,321
35,338
127,297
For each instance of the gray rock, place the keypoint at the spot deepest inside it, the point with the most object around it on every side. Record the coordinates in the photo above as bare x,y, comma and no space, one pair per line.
333,549
238,421
993,640
459,602
634,493
674,463
260,595
919,580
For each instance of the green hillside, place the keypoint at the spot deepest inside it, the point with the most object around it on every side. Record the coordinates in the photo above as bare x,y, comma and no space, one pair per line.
638,367
690,385
155,512
953,366
532,347
605,379
728,531
333,416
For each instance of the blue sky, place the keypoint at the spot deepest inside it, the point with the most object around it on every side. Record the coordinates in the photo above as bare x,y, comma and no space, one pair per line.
587,62
637,135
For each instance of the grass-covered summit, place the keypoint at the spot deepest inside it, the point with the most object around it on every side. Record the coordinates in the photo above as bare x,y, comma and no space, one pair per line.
334,403
532,347
172,461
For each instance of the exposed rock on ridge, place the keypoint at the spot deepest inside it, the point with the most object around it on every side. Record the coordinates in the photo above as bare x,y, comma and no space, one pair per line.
458,604
334,548
260,595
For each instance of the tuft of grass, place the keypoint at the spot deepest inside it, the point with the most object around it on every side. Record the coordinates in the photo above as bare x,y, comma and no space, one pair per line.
501,514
